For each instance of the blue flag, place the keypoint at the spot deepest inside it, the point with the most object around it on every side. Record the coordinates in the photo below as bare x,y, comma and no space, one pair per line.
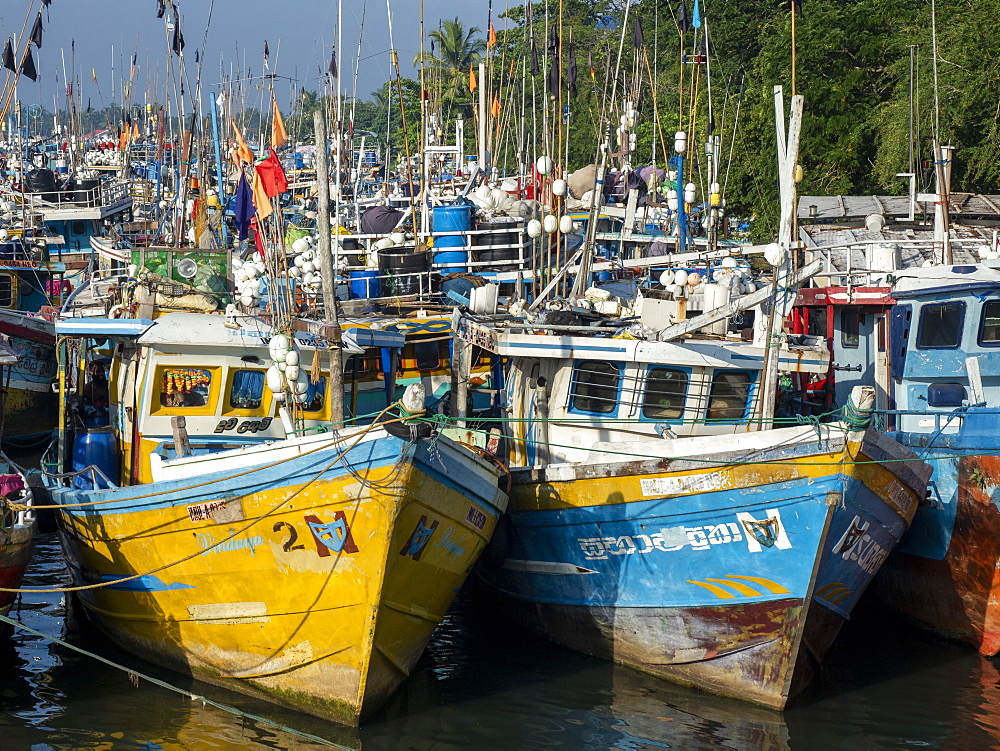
696,15
244,209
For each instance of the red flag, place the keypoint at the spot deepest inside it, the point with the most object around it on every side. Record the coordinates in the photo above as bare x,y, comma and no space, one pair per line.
272,176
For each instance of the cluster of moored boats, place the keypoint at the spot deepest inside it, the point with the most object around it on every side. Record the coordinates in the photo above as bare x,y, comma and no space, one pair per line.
281,423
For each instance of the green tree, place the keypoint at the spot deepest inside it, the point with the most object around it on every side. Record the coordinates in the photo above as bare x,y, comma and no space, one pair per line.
456,49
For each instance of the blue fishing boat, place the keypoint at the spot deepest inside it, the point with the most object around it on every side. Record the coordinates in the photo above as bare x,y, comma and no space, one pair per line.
656,521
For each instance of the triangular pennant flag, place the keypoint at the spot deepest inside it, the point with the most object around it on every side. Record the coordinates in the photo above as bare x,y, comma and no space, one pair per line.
491,38
8,57
279,136
571,70
637,38
28,68
260,198
495,109
590,64
161,10
272,176
682,17
36,31
177,45
696,15
243,151
244,209
534,57
472,79
267,54
332,68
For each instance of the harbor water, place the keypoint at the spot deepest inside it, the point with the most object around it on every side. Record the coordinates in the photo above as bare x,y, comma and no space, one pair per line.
486,684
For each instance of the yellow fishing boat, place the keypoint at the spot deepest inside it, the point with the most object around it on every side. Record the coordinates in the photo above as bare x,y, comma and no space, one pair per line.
309,570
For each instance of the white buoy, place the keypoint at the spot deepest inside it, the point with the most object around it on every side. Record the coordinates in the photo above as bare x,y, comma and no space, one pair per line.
291,371
300,245
398,238
279,346
689,194
694,279
544,165
275,380
667,278
566,224
559,187
292,357
308,267
534,228
680,277
680,142
551,224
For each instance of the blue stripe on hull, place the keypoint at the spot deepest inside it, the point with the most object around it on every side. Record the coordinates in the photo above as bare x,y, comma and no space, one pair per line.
234,482
695,551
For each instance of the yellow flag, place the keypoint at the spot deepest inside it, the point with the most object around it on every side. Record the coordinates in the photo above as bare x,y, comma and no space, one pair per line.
492,38
260,199
472,79
243,151
495,109
279,137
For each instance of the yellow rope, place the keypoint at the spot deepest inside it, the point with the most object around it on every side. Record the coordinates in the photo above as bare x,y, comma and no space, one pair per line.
240,531
335,439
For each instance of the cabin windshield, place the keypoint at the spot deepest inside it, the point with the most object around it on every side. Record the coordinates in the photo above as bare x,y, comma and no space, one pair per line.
185,387
6,291
727,400
594,387
665,392
248,389
989,327
941,326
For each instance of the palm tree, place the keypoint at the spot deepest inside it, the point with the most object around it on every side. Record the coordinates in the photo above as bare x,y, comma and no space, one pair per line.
455,51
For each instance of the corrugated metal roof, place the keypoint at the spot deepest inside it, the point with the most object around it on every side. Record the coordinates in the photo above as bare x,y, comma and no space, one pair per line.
834,208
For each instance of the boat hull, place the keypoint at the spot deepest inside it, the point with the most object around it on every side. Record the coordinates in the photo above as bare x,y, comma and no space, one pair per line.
944,575
16,545
323,604
731,577
30,409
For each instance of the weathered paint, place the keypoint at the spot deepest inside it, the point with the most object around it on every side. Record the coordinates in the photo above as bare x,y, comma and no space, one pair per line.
726,584
324,605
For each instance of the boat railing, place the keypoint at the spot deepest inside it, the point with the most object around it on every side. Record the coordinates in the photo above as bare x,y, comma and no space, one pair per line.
858,263
106,193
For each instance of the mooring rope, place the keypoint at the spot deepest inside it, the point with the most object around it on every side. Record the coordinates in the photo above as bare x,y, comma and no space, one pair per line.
170,687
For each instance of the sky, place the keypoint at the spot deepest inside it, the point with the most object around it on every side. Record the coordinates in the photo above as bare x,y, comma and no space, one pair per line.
299,36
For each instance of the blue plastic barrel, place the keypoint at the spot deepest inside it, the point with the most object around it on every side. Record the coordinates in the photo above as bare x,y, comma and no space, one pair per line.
364,284
455,218
98,447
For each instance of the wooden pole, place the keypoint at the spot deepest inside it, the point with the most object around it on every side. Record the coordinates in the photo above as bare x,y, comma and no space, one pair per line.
327,270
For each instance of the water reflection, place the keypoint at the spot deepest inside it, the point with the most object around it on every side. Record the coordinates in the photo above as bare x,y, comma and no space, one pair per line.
486,684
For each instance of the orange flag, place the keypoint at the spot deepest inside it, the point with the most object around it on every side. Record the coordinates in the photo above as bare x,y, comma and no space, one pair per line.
260,199
491,40
472,79
243,151
279,137
495,109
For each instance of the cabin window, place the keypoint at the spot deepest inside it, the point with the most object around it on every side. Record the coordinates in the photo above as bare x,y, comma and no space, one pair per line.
941,326
594,388
727,399
816,322
850,328
989,327
315,396
427,355
665,392
247,391
6,291
185,387
364,365
78,228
